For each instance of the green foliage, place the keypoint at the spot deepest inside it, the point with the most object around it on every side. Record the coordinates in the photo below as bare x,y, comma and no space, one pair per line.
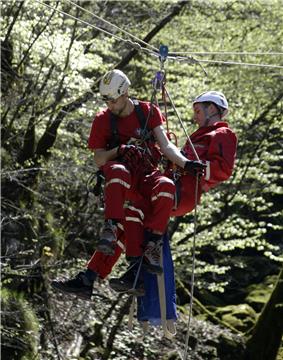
53,66
20,327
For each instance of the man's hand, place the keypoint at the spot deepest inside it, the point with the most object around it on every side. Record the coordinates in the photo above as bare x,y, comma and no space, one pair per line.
195,167
130,154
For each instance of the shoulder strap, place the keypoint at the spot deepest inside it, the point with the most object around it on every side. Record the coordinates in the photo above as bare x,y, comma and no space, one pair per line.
140,113
115,140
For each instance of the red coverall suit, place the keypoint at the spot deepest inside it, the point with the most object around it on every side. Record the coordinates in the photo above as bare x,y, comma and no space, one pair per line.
217,145
122,187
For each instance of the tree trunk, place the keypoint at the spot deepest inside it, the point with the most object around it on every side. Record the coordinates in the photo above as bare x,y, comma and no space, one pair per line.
266,336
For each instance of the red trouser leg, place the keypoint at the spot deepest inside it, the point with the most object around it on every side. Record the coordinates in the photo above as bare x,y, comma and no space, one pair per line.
102,264
160,191
134,229
187,184
152,211
117,183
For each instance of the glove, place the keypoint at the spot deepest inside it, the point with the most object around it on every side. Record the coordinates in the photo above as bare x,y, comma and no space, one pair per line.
130,154
195,167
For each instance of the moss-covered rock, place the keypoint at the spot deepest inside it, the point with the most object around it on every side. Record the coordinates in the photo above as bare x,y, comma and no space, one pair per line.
242,317
259,293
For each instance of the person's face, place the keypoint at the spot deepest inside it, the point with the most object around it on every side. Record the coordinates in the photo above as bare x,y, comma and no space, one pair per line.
199,115
118,106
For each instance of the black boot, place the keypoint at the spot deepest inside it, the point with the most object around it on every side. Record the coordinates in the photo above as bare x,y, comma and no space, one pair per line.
152,251
81,285
131,281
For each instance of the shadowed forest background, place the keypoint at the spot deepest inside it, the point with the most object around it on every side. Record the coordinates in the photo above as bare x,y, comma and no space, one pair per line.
51,63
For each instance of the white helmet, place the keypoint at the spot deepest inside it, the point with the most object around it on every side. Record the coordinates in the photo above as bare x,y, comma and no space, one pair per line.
215,97
113,84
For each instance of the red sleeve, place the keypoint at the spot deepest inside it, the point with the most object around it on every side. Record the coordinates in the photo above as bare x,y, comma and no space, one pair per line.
99,133
221,157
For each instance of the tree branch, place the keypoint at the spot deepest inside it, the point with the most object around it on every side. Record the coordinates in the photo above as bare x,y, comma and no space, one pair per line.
175,11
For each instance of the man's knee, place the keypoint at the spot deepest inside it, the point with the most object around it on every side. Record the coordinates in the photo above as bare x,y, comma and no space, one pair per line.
164,189
117,173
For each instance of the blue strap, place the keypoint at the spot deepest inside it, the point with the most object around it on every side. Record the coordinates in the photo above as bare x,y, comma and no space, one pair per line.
148,305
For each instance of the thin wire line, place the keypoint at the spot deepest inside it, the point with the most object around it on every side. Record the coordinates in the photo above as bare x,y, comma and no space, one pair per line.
80,20
135,45
241,63
113,25
189,59
178,58
182,125
247,53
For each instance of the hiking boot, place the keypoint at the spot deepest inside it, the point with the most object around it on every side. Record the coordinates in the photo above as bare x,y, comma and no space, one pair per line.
126,283
152,252
80,286
108,238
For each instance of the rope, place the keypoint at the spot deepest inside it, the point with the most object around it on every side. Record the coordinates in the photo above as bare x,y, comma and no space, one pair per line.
195,227
165,105
113,25
240,53
183,127
239,63
135,45
193,272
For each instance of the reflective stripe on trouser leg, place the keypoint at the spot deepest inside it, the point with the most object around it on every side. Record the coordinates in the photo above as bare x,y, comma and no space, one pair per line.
162,201
117,183
133,226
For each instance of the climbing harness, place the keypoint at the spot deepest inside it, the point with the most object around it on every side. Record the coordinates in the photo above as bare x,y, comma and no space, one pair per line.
114,142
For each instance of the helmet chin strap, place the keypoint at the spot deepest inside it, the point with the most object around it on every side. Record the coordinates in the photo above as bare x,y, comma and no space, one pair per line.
207,116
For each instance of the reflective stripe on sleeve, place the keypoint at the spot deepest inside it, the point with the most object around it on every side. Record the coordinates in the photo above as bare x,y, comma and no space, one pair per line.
207,170
162,194
120,167
118,181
